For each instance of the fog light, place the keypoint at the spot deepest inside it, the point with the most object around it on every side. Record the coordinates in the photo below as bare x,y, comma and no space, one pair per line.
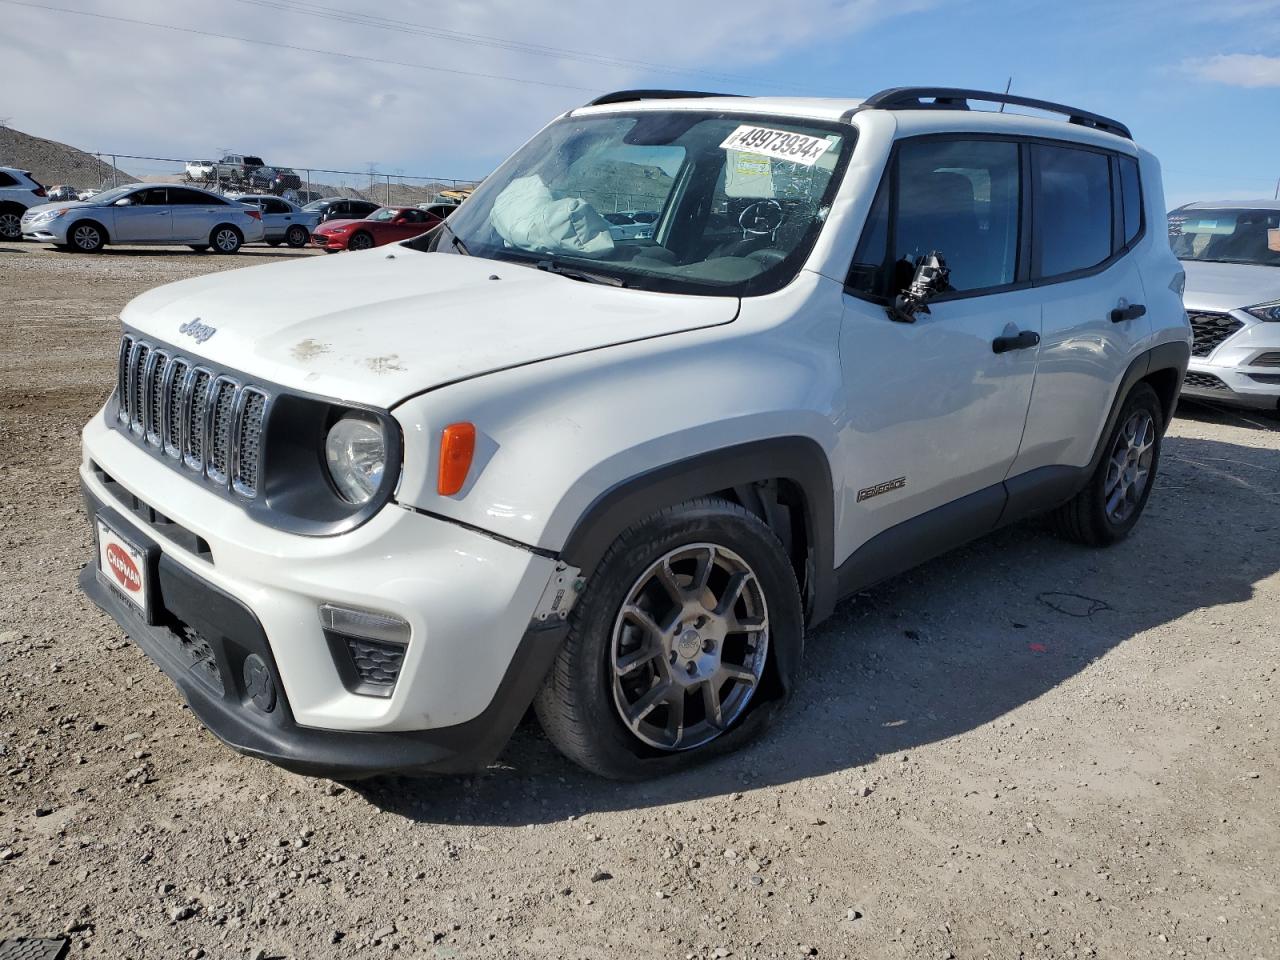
258,683
367,648
362,623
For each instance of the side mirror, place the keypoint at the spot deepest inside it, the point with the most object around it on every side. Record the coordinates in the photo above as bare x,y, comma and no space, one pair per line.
931,278
124,202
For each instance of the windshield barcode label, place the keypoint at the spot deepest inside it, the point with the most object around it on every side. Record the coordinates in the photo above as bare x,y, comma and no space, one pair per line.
779,144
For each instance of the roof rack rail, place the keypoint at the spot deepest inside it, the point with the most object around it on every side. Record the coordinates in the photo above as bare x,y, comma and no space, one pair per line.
955,98
628,96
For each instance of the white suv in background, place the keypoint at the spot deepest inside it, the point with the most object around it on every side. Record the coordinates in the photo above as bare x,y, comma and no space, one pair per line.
1231,252
363,513
19,191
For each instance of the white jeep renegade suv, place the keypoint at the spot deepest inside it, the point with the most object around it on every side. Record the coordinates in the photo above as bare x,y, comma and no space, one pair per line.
364,512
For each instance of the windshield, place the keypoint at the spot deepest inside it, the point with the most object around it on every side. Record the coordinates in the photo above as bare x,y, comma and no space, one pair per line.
114,194
386,213
1226,236
683,201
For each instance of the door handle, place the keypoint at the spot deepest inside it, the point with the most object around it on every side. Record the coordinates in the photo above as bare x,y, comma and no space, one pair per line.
1132,312
1022,340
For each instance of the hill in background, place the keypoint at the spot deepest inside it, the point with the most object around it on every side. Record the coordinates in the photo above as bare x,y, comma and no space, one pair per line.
51,162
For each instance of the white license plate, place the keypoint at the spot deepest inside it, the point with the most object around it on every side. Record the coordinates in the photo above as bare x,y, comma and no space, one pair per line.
123,566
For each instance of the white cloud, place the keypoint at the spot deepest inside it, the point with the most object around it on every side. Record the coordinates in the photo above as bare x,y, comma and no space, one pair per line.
105,85
1237,69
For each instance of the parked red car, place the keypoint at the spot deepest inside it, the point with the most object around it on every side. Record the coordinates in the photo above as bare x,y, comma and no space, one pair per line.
384,225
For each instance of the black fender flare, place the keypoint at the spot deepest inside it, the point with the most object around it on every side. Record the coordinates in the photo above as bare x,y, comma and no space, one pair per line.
800,460
1174,355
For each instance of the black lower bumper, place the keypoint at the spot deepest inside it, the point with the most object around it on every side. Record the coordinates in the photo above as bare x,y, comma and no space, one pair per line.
229,634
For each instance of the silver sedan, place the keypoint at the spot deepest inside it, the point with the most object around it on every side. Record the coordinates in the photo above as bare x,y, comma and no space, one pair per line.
146,214
283,220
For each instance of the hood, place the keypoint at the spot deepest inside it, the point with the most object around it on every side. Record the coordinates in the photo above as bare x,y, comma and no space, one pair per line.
379,325
59,205
1229,286
329,225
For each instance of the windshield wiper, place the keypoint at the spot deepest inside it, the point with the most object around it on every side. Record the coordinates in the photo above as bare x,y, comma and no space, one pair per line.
457,241
573,273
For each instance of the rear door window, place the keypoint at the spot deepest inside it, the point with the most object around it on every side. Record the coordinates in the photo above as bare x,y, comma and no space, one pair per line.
1073,207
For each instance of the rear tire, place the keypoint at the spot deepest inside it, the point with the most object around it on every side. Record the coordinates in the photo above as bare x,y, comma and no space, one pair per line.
682,647
297,236
86,236
226,239
1106,510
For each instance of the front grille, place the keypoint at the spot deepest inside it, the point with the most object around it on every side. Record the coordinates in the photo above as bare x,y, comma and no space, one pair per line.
1204,381
207,422
1210,330
1266,360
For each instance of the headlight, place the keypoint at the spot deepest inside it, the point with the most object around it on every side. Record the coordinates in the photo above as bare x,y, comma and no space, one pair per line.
356,453
44,216
1266,311
340,230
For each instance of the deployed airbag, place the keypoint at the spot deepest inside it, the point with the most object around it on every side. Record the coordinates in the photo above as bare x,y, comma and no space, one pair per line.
527,217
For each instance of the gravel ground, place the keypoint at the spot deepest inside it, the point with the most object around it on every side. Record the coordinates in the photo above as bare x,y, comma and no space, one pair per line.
1023,749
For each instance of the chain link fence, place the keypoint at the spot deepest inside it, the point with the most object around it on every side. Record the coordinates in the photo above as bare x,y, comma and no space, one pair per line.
246,174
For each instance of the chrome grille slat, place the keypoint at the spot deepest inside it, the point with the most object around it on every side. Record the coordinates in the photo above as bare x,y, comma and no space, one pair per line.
199,418
153,390
175,385
122,378
137,396
248,441
221,416
197,400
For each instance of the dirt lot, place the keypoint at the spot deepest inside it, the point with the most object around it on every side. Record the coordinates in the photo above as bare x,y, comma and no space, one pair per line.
1024,749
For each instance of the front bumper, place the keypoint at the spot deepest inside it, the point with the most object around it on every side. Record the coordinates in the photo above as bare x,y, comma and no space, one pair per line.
470,670
1242,370
326,242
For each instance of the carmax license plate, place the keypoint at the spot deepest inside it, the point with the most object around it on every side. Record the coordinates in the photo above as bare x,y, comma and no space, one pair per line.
123,566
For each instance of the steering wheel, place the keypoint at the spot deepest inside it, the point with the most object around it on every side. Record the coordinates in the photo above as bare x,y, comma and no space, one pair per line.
762,218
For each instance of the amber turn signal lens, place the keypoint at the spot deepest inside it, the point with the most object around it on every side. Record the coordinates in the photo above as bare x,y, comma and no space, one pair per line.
457,447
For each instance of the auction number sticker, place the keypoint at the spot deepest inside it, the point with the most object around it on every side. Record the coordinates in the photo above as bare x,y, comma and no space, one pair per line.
779,144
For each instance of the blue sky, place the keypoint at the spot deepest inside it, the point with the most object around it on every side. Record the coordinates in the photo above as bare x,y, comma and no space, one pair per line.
1198,81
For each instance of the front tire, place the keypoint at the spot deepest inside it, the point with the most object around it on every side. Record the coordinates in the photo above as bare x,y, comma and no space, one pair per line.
226,239
683,645
297,236
360,241
1106,510
86,236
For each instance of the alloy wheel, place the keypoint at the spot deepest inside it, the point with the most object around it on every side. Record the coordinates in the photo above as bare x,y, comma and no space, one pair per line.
226,240
689,647
359,242
10,226
1129,470
86,237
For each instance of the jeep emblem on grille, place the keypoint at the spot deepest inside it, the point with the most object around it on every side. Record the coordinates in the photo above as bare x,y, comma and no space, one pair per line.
198,331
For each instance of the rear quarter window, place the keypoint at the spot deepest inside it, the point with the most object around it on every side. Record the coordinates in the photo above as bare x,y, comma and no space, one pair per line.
1072,203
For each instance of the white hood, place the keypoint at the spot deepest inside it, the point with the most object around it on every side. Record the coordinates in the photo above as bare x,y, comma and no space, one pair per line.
1229,286
382,324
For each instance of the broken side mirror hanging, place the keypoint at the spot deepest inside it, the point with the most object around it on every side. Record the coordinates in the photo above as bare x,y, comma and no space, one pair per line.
930,279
